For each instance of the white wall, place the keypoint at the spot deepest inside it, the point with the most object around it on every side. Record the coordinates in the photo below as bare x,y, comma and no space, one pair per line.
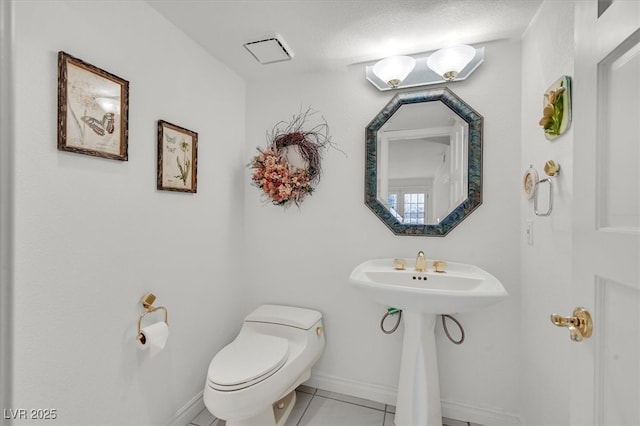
304,256
546,265
92,235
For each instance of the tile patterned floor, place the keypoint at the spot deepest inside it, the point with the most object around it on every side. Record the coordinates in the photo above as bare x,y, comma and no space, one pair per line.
316,407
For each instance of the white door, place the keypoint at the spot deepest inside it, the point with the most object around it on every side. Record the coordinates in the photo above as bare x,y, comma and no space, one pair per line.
605,386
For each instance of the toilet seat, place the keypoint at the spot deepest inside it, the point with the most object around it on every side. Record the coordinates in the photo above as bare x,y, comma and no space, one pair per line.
247,360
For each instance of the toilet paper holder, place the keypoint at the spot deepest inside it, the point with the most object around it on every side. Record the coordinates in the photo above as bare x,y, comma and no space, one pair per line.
147,301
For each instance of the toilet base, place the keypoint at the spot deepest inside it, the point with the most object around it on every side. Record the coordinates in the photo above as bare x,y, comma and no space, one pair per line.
282,408
276,415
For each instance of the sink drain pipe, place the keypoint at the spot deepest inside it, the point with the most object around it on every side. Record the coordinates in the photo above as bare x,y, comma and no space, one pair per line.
398,313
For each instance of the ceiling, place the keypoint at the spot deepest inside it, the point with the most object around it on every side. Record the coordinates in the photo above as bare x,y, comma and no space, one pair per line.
334,34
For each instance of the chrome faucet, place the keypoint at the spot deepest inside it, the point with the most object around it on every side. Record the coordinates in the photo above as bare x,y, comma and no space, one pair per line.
421,262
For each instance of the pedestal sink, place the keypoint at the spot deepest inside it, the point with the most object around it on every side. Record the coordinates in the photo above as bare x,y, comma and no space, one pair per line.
422,296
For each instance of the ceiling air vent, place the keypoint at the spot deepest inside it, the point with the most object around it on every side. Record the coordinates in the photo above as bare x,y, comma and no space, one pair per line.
269,50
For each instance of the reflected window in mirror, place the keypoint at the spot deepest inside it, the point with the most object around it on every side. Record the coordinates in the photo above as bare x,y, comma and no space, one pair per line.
408,207
423,169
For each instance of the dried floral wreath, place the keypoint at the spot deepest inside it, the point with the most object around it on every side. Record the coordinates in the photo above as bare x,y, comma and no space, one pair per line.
281,182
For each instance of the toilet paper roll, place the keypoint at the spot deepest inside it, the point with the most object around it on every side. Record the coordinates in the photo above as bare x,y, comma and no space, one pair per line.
154,337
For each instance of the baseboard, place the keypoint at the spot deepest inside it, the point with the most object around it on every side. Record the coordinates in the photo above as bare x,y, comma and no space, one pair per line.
188,412
387,395
370,391
478,415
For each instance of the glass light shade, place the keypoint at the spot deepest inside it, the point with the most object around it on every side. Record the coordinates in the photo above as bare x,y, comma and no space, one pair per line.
448,62
394,69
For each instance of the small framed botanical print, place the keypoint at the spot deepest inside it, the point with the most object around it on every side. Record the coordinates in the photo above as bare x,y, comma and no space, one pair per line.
93,107
177,158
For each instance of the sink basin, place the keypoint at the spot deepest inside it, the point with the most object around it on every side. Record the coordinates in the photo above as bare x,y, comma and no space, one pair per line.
462,288
422,296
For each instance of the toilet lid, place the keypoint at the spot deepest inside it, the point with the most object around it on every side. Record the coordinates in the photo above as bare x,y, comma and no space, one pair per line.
247,360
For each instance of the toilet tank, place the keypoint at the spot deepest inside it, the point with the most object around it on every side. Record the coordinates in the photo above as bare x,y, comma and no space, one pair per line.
285,315
284,321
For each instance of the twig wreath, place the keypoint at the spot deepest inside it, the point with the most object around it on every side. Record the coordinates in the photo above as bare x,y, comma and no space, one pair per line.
281,182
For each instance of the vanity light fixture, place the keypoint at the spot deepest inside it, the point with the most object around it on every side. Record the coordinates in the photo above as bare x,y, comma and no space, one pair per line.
448,62
394,69
423,69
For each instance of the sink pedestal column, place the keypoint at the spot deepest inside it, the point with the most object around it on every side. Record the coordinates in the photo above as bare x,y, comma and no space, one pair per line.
419,386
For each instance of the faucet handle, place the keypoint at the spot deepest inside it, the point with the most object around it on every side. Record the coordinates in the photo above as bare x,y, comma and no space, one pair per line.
440,266
399,264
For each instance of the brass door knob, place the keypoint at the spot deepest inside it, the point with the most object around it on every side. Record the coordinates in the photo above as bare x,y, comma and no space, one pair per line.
580,325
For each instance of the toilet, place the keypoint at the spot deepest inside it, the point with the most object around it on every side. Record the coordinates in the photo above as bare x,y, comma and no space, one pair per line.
252,380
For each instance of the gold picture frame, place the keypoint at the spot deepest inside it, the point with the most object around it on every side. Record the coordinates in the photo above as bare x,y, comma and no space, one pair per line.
177,158
93,109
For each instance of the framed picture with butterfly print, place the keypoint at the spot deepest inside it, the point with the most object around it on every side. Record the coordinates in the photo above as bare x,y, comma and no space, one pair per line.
93,108
177,158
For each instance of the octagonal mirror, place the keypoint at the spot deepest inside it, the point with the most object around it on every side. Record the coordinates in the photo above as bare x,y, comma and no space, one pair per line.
423,171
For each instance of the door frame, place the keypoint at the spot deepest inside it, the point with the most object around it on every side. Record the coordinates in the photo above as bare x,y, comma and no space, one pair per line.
6,202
